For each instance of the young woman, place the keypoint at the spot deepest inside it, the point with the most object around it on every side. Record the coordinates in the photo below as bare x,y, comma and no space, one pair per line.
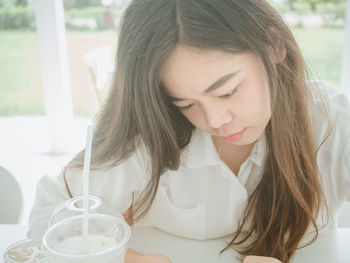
212,128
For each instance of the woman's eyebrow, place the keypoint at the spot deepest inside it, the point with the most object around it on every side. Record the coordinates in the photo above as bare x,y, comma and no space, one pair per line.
217,84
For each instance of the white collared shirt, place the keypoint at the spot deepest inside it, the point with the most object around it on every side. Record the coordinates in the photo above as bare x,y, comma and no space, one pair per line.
203,199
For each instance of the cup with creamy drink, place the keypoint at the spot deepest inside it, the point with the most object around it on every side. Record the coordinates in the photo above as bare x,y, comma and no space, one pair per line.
24,251
106,241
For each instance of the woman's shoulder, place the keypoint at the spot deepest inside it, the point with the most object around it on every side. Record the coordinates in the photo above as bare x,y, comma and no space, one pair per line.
332,135
334,96
328,99
330,111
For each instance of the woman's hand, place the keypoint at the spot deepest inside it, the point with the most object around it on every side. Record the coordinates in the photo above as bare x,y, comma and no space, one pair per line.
132,256
257,259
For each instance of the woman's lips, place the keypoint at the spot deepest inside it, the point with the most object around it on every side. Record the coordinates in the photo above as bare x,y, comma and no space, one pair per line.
235,137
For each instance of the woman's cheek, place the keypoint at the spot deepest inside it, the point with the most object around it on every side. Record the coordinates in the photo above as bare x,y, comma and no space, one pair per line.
256,106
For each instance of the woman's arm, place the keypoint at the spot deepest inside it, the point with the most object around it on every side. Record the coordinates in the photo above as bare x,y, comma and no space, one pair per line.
132,256
257,259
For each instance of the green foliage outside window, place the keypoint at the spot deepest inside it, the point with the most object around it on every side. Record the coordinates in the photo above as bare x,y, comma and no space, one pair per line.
81,3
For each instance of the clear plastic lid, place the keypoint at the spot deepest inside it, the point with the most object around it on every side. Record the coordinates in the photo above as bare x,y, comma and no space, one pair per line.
74,207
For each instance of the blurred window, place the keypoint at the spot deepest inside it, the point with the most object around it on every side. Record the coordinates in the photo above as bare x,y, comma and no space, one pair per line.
318,26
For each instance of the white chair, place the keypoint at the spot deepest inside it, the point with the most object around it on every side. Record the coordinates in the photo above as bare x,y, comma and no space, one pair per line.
11,198
100,62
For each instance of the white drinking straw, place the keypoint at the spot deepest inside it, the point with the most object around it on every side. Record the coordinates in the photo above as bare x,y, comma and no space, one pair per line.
86,181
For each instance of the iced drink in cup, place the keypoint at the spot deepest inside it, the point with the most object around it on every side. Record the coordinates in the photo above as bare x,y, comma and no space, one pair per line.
106,241
24,251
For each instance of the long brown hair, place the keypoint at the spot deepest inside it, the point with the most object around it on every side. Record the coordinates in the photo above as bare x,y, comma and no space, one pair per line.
288,198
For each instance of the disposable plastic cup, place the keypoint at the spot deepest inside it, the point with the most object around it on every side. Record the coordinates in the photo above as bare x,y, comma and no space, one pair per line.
106,243
24,251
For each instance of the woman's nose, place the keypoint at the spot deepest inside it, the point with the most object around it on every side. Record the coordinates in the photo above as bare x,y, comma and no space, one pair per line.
217,115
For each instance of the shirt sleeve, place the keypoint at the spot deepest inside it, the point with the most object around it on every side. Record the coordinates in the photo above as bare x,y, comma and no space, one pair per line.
340,115
336,152
345,179
115,186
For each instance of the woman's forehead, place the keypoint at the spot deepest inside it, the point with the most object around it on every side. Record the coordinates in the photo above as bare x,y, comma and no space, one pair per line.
189,66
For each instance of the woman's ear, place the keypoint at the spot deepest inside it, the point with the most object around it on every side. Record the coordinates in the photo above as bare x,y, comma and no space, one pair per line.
277,50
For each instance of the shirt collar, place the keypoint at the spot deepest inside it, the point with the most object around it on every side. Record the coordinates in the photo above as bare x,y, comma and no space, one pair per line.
201,152
258,153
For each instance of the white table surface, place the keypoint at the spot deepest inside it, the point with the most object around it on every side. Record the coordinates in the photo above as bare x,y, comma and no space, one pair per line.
330,247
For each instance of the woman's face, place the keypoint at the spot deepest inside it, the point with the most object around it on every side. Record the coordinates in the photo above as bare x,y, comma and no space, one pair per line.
226,95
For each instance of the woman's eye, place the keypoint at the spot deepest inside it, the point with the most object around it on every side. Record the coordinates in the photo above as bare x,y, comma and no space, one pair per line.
184,107
228,95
